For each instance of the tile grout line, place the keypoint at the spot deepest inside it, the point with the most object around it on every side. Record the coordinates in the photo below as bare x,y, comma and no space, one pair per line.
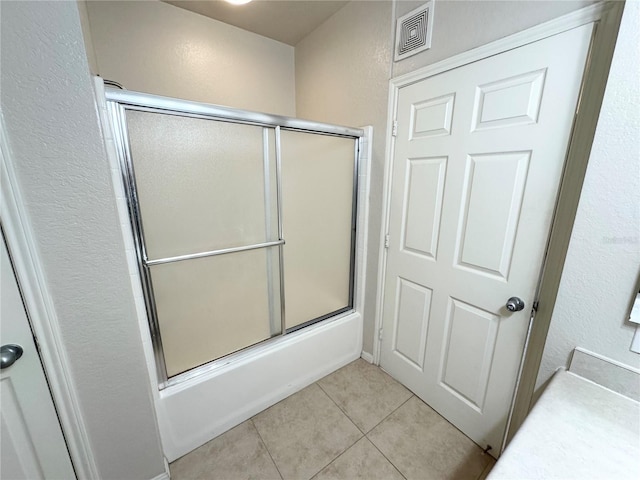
339,455
376,447
385,457
345,451
449,422
363,435
390,413
266,448
411,394
422,401
340,408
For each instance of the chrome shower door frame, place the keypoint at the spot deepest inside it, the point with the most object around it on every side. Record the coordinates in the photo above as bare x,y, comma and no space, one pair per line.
118,102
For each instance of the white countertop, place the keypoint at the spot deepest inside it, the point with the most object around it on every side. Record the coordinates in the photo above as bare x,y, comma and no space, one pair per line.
577,430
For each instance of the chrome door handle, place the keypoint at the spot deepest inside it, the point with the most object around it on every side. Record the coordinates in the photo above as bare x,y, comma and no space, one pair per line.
9,354
515,304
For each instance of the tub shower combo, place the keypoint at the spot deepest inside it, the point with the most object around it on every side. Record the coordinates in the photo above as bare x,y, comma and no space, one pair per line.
244,224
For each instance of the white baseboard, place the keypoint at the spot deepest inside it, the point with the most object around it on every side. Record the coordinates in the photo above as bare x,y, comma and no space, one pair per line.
367,357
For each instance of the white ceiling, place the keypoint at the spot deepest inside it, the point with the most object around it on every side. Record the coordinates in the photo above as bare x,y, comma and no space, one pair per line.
285,21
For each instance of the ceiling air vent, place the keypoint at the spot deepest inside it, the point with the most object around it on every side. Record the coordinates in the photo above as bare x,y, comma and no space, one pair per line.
413,31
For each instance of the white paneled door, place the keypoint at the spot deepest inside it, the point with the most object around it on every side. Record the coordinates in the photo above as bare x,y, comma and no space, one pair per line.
477,163
31,445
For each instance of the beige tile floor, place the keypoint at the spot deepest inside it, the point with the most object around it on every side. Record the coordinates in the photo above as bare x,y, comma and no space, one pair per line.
357,423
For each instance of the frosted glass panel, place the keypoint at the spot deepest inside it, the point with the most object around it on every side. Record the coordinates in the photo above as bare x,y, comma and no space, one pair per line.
201,183
210,307
317,182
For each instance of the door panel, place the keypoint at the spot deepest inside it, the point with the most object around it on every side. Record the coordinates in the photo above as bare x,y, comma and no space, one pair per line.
412,320
423,205
469,346
477,163
432,117
493,192
32,443
508,102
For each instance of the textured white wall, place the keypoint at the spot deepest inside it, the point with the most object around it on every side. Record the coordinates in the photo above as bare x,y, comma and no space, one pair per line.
463,25
58,154
603,261
342,75
155,47
86,33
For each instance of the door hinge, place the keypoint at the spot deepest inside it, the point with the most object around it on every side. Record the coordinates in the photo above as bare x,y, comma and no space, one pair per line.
534,310
386,241
380,334
394,129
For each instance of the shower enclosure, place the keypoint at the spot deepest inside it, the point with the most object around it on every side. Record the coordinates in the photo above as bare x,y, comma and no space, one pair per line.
244,224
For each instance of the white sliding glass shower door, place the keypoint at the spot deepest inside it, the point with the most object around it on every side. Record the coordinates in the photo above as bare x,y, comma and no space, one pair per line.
204,186
210,307
317,179
244,223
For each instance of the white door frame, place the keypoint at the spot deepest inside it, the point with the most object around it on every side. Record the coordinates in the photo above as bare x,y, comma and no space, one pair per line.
42,315
607,15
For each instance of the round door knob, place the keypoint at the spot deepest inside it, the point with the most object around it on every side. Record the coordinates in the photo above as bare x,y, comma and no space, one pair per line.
515,304
9,354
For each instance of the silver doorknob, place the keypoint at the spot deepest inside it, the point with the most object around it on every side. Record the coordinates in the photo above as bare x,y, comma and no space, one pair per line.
9,354
515,304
